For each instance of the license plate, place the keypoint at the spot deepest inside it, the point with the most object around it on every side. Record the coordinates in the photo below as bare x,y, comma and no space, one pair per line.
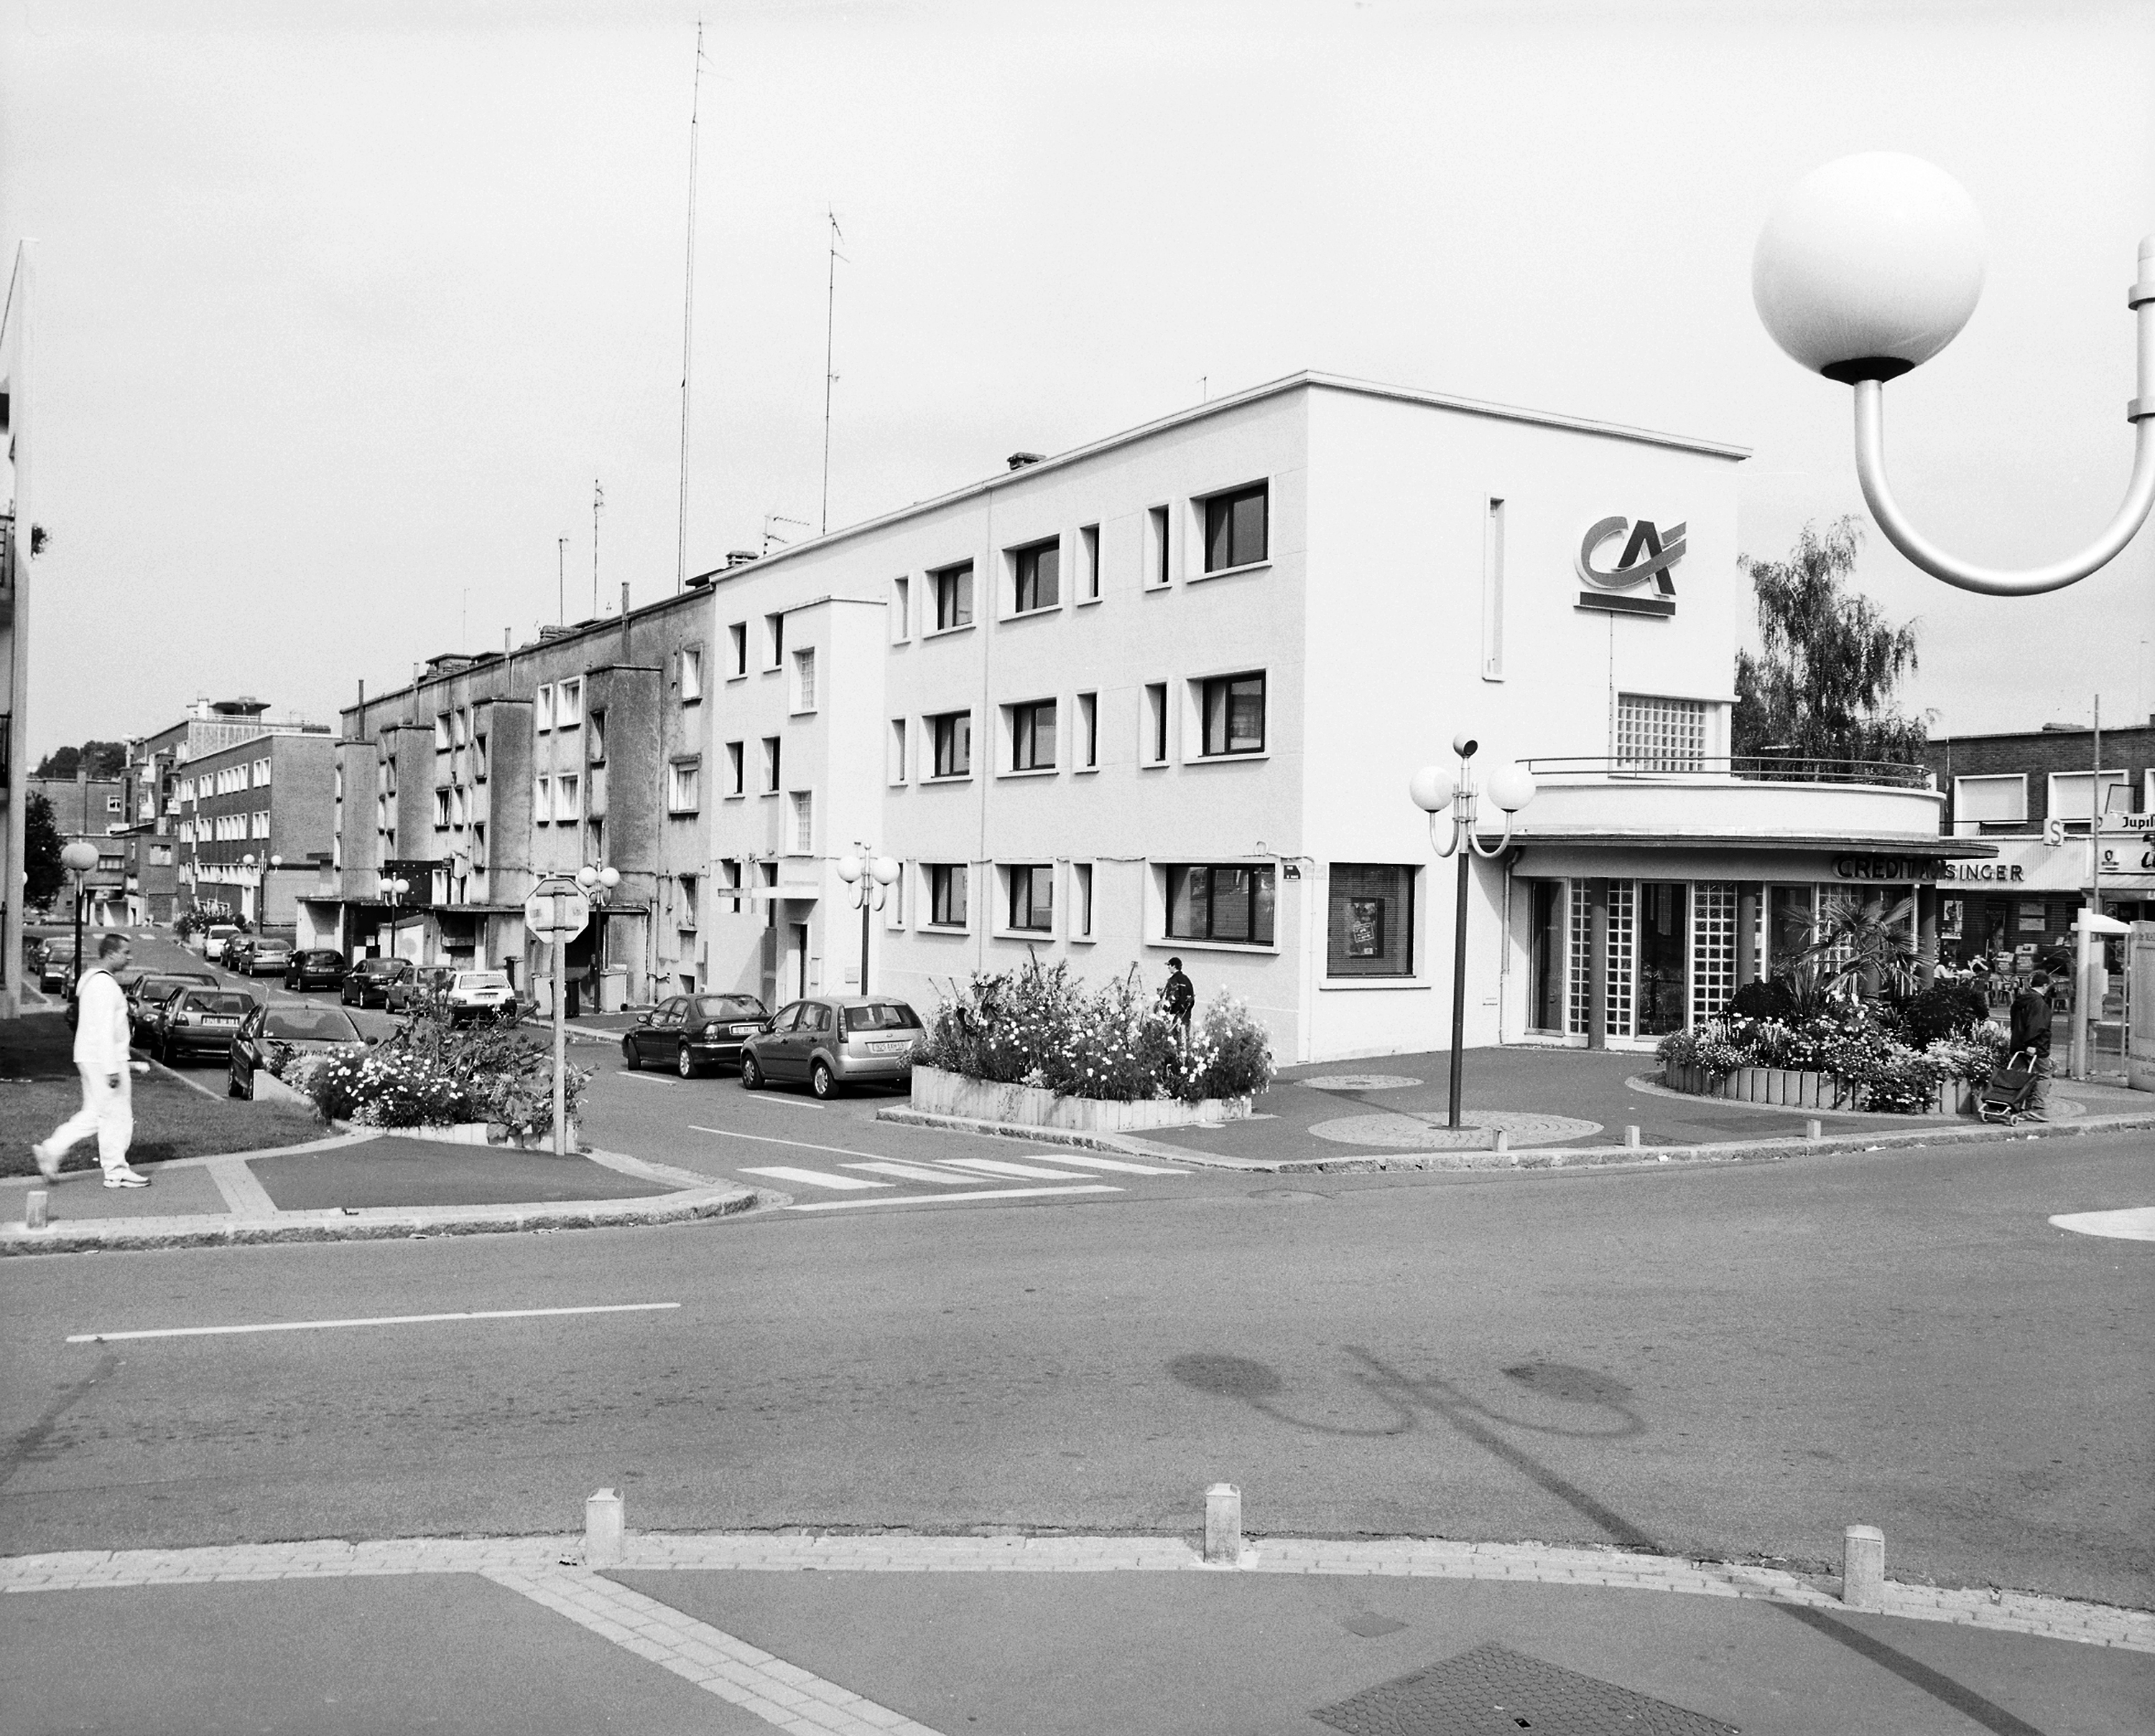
890,1048
746,1030
221,1024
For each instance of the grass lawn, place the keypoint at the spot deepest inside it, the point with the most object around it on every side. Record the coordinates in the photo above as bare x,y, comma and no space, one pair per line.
39,1088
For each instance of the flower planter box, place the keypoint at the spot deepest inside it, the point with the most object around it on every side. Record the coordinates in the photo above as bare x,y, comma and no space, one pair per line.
465,1133
938,1093
1792,1088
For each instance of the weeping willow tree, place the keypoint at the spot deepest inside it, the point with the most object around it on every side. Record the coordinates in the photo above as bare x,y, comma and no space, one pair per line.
1821,685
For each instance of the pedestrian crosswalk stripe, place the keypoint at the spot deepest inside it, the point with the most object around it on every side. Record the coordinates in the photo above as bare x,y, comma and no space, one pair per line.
915,1172
1111,1163
814,1178
997,1166
985,1193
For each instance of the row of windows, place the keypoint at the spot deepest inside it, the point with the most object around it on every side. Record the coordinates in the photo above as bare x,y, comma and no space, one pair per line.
1999,801
1227,711
225,780
224,828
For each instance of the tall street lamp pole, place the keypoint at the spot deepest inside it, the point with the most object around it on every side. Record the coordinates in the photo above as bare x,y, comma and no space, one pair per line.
870,878
78,858
598,884
1433,789
392,890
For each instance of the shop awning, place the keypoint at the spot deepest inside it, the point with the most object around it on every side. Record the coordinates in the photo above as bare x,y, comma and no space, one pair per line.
1922,847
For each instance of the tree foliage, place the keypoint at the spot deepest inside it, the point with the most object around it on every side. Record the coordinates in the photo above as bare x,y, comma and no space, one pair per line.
41,852
1822,685
106,761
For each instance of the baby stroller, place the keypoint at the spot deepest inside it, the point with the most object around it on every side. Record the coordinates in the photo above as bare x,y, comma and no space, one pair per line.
2010,1093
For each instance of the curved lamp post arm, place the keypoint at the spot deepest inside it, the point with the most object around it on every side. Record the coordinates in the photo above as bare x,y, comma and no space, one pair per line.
1996,581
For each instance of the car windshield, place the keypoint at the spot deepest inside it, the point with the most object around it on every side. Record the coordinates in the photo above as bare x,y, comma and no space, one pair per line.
386,967
881,1016
729,1006
310,1024
482,979
222,1005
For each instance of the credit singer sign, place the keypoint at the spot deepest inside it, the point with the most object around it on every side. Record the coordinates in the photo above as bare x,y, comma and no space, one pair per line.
1639,584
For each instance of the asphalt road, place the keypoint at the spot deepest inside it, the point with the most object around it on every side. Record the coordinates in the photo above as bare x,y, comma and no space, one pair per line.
1734,1362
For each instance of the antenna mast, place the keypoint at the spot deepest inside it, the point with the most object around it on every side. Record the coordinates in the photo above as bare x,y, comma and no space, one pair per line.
688,319
561,581
598,499
830,327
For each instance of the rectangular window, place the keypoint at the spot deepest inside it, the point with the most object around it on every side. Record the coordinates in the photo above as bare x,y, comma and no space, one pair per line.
1978,803
1221,902
1235,529
737,637
804,822
774,641
479,759
568,797
1038,577
459,731
1081,900
1089,731
1088,564
901,610
952,735
731,870
542,801
804,679
1234,713
954,596
1656,733
542,708
1031,899
1032,736
682,795
686,910
736,768
442,807
692,674
595,739
2072,796
441,731
897,770
261,774
1370,929
1157,550
1153,747
946,894
1492,593
569,704
771,751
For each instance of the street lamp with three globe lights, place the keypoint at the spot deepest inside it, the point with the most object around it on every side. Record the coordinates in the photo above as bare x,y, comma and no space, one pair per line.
870,877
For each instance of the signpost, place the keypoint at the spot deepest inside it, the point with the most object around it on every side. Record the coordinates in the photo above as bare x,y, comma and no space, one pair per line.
558,911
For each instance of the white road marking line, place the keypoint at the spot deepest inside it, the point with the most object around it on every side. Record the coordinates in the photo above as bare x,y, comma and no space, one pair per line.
727,1133
997,1166
1108,1163
2135,1223
915,1172
992,1193
504,1313
814,1178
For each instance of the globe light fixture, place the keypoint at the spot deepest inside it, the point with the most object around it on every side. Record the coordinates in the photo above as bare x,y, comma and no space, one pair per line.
1433,789
870,877
78,859
1869,267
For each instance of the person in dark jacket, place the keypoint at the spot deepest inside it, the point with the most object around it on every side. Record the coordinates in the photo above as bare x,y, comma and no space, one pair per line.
1177,998
2031,1030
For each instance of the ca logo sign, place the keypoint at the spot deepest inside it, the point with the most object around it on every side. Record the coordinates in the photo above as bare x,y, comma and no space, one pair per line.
1639,583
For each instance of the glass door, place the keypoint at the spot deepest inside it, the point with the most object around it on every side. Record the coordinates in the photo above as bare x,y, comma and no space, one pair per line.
1664,956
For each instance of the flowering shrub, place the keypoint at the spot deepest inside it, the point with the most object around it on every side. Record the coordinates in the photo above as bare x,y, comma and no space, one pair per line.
430,1074
1042,1026
1867,1049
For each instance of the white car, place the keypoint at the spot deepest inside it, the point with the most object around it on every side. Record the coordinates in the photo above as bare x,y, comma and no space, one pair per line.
213,939
478,995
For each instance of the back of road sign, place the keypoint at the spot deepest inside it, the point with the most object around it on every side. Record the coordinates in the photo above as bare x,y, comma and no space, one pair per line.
556,912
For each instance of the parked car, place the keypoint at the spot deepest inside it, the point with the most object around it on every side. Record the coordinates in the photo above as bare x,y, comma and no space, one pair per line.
200,1022
148,992
57,962
270,1036
214,938
833,1041
418,987
366,984
690,1033
265,957
316,968
475,995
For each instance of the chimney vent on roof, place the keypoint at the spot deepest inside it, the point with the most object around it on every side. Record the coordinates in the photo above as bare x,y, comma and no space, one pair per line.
741,557
1019,460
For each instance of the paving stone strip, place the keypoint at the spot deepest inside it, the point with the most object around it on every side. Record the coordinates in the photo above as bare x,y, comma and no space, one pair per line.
554,1559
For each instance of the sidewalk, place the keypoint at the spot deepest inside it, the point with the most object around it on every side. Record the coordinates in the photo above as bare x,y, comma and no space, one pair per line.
851,1634
357,1186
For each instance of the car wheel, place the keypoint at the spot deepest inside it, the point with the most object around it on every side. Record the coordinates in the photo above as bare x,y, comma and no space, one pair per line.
630,1060
751,1074
822,1083
684,1063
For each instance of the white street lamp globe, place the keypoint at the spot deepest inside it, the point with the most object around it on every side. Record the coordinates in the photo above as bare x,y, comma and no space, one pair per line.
1869,266
276,862
587,877
609,877
1432,788
884,869
248,860
849,868
1464,744
1512,788
79,856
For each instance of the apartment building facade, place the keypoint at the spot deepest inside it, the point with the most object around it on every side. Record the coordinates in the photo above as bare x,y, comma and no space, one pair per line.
253,819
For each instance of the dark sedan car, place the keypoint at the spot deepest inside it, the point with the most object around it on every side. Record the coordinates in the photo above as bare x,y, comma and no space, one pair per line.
317,968
149,992
832,1040
200,1022
270,1036
366,984
690,1033
423,986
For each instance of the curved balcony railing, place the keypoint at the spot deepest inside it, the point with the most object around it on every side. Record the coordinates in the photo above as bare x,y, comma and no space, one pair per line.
1767,768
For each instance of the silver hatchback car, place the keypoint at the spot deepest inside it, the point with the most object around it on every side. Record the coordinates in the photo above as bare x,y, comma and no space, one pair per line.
833,1041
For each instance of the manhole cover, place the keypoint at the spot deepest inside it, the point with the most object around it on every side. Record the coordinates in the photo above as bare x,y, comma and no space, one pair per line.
1360,1082
1492,1692
1411,1133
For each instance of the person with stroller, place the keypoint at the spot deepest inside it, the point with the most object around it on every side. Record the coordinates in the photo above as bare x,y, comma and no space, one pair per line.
2030,1029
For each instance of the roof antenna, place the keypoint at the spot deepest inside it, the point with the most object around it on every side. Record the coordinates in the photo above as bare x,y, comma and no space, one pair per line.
598,499
689,322
830,326
562,580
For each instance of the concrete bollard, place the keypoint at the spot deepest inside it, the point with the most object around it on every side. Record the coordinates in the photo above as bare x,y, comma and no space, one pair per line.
603,1528
35,1205
1863,1567
1815,1128
1223,1522
1631,1135
1500,1139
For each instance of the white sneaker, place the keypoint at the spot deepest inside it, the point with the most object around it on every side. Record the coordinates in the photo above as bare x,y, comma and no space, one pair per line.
48,1162
125,1177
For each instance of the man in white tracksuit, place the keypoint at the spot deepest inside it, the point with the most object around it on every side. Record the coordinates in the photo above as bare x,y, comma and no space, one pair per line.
100,1056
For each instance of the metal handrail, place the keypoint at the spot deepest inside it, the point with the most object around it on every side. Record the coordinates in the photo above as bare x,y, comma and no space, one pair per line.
1771,768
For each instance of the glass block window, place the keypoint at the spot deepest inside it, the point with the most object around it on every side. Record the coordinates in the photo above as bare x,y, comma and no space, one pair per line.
1623,956
1713,947
1654,734
1581,959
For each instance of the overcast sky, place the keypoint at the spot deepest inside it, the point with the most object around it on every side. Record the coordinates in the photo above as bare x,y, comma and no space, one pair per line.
342,309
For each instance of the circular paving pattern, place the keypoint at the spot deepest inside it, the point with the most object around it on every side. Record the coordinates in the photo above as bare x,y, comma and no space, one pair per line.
1409,1133
1360,1082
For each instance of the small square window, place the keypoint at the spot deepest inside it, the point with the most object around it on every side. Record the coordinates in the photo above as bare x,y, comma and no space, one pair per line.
1235,529
1037,577
1031,899
682,795
954,596
1032,736
569,704
692,674
952,736
946,894
1233,709
737,638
